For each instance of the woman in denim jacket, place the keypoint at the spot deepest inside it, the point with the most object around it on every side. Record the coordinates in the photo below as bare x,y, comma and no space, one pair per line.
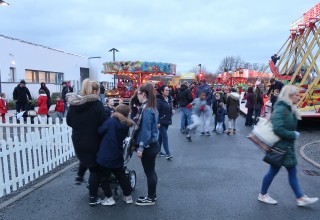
147,140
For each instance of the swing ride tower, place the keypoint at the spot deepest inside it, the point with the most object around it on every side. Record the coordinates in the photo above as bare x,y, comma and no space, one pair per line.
299,60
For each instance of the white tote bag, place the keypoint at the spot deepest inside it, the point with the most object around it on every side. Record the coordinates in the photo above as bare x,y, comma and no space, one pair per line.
264,132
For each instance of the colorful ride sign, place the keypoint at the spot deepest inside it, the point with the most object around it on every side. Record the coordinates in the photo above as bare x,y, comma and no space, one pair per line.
137,67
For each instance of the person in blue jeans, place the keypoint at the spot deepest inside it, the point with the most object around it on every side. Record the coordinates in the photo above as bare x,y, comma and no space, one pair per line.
164,106
184,98
147,141
284,120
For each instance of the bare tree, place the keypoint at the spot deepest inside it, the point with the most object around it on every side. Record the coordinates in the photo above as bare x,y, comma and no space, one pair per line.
196,70
246,65
231,63
209,77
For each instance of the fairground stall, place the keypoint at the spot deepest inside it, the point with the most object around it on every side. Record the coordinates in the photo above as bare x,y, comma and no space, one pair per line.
240,78
298,63
131,74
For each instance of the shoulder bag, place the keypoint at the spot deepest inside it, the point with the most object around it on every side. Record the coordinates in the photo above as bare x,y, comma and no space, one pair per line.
262,135
274,156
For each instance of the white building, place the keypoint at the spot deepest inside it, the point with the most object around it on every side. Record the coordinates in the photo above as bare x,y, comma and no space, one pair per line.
37,63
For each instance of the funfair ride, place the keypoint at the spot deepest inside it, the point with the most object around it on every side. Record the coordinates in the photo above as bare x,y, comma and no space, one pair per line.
298,64
131,75
240,78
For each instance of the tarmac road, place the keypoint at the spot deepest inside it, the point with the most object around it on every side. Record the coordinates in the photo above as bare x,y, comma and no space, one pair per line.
216,177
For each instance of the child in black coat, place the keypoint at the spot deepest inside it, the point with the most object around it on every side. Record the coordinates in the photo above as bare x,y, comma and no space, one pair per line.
110,154
221,113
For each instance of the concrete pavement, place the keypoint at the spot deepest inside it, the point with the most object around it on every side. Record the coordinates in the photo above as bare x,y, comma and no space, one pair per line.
216,177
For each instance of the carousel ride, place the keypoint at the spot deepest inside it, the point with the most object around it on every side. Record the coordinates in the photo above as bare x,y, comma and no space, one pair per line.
130,75
298,63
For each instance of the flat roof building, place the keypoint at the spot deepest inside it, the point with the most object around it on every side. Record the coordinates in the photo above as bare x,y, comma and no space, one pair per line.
36,63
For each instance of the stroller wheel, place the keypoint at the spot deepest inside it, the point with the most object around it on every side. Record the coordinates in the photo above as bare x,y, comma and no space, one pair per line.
133,179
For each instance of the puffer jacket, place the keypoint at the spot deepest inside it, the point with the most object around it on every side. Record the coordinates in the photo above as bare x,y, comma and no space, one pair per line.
284,124
85,115
43,104
165,110
114,131
21,94
184,96
216,99
233,105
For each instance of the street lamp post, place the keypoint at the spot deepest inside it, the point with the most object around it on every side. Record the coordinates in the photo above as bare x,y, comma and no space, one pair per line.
114,50
200,74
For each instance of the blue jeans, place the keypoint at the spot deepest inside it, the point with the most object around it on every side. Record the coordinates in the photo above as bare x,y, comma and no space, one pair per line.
163,138
216,122
103,99
185,115
293,180
65,108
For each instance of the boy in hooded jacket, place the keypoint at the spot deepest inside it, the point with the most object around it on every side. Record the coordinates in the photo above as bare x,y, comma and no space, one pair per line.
110,154
199,106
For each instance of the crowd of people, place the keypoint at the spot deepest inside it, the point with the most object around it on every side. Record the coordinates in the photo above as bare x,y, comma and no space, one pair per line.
99,128
23,101
98,132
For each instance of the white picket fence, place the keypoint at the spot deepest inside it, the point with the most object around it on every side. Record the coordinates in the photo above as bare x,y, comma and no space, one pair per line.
28,151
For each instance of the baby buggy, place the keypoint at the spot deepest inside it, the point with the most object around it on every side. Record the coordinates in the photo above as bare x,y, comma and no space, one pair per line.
131,174
29,112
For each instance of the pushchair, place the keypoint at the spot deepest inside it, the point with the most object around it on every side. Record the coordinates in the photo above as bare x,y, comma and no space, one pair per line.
29,112
131,174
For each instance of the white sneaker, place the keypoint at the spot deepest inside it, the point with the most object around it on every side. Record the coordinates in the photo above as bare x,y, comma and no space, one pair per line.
108,201
267,199
128,199
305,200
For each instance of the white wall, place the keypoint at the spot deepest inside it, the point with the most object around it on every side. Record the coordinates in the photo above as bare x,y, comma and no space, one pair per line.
35,57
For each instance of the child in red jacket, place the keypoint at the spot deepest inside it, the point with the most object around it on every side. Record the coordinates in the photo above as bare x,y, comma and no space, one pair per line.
3,106
59,108
42,104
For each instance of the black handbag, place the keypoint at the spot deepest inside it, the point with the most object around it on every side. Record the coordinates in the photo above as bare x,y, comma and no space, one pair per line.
274,156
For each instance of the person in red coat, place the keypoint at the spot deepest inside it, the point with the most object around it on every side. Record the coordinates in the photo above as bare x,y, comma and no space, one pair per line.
42,103
59,108
3,106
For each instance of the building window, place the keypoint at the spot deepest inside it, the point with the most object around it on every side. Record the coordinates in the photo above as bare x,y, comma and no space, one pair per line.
12,74
42,76
38,76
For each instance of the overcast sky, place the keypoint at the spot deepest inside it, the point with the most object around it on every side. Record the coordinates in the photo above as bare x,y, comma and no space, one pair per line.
184,32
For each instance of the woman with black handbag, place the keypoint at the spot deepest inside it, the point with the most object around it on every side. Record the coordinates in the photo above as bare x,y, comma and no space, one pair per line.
284,119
